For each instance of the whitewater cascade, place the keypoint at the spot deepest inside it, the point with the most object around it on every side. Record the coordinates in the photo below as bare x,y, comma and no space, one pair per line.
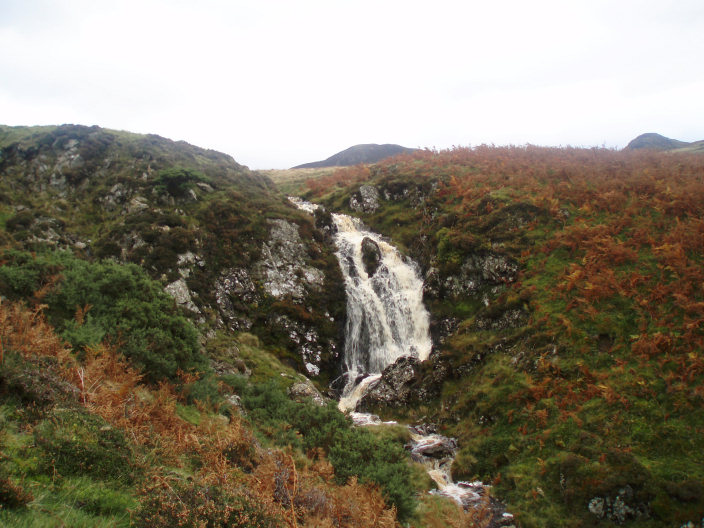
386,319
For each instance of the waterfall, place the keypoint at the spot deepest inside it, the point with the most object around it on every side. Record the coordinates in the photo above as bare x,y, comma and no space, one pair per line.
386,318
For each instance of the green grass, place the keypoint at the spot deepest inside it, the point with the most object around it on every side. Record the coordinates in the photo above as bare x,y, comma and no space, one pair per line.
78,501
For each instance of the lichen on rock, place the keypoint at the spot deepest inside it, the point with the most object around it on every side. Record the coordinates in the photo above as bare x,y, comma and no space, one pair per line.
365,200
283,267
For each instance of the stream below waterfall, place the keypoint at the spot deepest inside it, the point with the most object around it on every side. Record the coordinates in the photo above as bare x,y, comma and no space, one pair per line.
386,319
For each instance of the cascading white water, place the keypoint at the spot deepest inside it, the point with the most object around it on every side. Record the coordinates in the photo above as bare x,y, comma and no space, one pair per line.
386,318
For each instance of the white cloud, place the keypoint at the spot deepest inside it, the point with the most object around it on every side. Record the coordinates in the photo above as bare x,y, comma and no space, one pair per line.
277,83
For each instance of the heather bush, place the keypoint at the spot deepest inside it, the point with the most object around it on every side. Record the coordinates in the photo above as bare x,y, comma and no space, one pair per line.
74,442
352,451
89,302
189,504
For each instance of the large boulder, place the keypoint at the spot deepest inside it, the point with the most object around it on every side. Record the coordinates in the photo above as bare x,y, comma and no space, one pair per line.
394,388
365,200
371,256
305,390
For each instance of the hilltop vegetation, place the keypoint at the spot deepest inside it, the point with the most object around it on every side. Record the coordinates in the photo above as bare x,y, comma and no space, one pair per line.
149,371
159,303
566,287
191,218
653,141
368,153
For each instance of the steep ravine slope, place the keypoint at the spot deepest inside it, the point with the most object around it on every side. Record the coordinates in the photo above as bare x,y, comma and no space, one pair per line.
565,292
224,243
158,306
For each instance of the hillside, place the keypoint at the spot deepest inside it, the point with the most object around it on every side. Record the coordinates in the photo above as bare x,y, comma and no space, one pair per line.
565,290
368,153
171,333
159,307
658,142
193,219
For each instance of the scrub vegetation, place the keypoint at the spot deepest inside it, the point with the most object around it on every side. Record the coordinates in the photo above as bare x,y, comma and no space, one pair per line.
596,395
120,408
566,288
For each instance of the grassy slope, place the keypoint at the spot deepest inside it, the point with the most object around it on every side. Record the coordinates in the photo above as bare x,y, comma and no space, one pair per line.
602,389
291,181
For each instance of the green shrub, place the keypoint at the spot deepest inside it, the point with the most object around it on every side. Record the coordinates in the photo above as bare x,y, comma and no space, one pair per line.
77,443
95,497
20,221
12,494
357,452
352,451
204,390
177,180
186,505
124,306
34,384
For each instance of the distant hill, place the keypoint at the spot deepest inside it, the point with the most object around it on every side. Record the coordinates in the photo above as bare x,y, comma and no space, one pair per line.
658,142
368,153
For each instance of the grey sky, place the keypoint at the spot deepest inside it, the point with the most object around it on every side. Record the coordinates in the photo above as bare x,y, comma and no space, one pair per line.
278,83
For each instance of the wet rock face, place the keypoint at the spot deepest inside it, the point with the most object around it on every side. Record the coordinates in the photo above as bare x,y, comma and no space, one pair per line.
434,446
371,256
325,223
406,381
442,328
512,318
366,200
394,388
479,271
282,273
306,340
283,268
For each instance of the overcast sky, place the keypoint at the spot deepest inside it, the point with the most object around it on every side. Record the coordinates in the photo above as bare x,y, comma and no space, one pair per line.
279,83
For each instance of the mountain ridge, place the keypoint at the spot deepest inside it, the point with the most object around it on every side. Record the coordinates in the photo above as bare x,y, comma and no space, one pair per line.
362,153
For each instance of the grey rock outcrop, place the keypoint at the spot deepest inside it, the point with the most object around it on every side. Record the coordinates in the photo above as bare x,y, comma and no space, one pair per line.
306,339
365,200
283,268
512,318
619,508
182,295
306,390
480,272
234,291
